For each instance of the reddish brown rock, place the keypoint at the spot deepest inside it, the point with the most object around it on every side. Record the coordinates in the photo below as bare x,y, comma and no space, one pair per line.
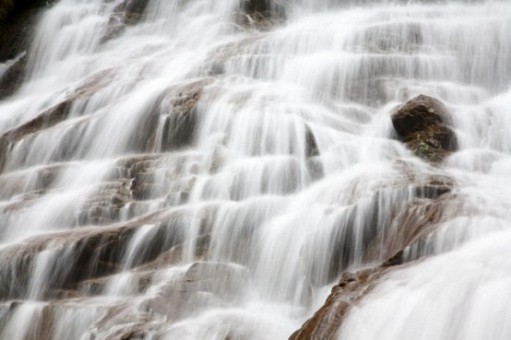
424,125
352,288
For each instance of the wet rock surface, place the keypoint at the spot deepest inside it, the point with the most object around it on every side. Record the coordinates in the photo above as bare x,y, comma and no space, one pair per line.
17,23
203,285
260,14
414,205
410,220
350,290
180,110
126,13
423,124
87,253
177,177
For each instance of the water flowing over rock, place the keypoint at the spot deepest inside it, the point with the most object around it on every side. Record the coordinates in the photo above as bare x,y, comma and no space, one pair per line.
17,22
261,14
255,169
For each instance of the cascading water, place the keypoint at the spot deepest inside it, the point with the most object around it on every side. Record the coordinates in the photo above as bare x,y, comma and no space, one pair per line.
190,171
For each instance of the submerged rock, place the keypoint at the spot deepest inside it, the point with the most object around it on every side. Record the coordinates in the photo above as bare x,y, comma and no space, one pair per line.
178,109
260,14
87,253
410,219
132,10
205,284
423,124
126,13
53,115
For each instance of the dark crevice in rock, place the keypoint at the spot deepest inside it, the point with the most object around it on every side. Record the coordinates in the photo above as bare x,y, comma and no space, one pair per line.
17,22
12,77
180,124
260,14
178,109
314,165
126,13
312,149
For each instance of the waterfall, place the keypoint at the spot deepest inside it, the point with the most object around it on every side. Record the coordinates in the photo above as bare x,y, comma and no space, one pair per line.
198,169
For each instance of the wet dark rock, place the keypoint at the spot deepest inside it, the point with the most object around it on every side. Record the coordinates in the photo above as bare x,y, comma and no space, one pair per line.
60,111
231,51
47,118
121,322
139,281
430,201
205,284
10,9
45,318
179,127
418,219
350,290
29,184
312,149
132,10
260,14
6,7
91,255
4,149
126,13
17,22
104,206
423,124
142,276
314,165
140,171
174,181
84,254
11,78
386,222
393,37
175,254
179,108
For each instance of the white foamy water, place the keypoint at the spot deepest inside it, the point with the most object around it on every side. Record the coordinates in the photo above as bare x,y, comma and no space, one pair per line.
201,179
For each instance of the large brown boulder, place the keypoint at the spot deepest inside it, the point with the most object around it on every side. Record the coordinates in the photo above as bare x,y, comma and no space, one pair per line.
423,124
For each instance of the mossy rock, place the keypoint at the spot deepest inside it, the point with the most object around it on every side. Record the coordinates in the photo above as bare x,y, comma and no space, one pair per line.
423,124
